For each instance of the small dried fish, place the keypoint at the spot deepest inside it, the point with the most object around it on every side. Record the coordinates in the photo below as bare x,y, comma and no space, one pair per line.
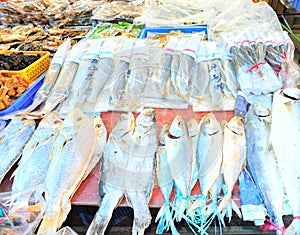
166,183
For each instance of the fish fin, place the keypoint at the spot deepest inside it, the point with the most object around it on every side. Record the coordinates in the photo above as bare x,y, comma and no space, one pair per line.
224,203
236,209
195,205
160,213
49,224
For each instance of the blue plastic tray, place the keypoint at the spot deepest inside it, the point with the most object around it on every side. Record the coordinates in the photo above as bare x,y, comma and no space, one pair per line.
184,29
26,98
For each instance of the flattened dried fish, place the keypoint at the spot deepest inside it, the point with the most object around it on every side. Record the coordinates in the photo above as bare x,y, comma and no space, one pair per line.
33,166
132,155
19,129
284,136
72,151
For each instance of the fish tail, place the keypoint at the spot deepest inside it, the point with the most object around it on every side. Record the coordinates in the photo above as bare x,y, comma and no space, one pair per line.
224,205
49,224
98,225
198,203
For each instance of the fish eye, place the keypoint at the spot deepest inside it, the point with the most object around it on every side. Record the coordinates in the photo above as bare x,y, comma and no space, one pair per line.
98,126
79,119
56,122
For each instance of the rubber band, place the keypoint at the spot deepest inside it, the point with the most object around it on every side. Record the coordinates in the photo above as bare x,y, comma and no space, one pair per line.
255,66
297,217
270,225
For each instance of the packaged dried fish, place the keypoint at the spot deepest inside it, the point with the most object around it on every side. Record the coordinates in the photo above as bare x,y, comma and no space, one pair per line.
64,81
187,65
120,74
83,76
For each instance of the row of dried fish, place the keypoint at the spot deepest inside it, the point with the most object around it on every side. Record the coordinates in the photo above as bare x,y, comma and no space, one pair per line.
210,152
37,38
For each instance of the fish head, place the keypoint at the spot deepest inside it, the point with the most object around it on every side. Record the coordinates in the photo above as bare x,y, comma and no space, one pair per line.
51,120
146,121
210,125
163,132
260,110
236,125
19,122
193,127
178,127
124,125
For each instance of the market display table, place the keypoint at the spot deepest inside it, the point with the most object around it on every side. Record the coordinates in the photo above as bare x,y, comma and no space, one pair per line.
87,193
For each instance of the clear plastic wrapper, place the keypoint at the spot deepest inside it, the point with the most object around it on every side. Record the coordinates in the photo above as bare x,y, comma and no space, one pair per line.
137,79
187,65
120,74
209,89
64,81
98,92
20,219
86,70
116,10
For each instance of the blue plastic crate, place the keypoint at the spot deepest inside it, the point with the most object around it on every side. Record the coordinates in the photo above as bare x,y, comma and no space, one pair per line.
26,98
184,29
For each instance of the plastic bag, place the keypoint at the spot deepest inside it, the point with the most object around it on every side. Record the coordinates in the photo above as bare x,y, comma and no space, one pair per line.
280,55
20,219
86,69
254,74
251,203
66,231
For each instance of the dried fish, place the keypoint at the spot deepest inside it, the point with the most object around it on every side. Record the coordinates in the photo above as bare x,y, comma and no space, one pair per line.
32,168
284,136
19,129
73,149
